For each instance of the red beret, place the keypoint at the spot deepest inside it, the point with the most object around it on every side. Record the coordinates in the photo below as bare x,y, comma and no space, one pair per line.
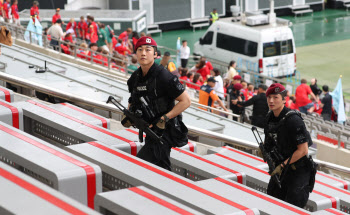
145,41
275,89
237,77
237,86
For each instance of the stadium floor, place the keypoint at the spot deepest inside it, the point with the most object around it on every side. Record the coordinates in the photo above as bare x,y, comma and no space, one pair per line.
322,41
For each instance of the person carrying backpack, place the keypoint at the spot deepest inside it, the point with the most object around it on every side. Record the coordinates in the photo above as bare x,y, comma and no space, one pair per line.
287,141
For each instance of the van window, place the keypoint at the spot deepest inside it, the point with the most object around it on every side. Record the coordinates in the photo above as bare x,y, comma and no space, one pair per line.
278,48
238,45
208,38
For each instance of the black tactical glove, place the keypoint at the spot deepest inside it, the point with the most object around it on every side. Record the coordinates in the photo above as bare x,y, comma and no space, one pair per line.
126,122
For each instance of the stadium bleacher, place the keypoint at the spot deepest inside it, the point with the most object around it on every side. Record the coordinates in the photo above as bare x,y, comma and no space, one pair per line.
76,152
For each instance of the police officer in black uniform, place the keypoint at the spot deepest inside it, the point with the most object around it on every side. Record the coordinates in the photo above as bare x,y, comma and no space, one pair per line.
153,93
260,107
287,141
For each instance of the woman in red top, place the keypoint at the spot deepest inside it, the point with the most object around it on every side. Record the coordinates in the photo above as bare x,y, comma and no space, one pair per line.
202,69
15,15
198,80
72,25
34,11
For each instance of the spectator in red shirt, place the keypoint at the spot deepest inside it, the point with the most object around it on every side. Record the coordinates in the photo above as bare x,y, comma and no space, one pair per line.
14,11
197,79
7,11
72,25
207,63
125,38
202,69
121,49
1,11
82,28
92,52
56,16
91,33
135,38
292,103
69,36
82,52
303,102
34,11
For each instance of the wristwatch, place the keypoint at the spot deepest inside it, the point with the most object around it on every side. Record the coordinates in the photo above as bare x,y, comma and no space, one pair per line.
166,119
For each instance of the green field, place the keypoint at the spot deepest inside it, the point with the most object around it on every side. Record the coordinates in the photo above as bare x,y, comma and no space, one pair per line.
322,41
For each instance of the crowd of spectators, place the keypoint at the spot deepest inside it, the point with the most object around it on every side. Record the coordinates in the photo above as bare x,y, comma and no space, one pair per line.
9,12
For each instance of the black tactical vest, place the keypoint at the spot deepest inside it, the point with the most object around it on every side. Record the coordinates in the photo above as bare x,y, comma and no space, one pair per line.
157,101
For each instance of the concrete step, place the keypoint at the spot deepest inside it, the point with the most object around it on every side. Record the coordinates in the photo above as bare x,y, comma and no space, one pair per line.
302,11
199,25
300,7
196,21
152,27
154,31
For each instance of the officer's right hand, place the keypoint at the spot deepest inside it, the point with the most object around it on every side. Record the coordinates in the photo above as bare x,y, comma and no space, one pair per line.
126,122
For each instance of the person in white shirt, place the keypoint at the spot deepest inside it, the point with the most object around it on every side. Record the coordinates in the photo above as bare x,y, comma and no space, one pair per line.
231,72
184,54
219,86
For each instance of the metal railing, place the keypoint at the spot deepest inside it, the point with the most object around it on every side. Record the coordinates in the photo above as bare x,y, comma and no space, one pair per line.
110,108
18,32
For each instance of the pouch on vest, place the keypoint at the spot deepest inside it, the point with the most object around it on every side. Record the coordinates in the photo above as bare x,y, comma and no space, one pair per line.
178,132
313,167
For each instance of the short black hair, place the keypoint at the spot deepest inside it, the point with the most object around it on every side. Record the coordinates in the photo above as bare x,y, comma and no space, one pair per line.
92,44
325,88
166,53
184,41
58,21
216,71
263,87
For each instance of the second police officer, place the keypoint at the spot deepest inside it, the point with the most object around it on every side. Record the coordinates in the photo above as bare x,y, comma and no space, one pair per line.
153,93
287,141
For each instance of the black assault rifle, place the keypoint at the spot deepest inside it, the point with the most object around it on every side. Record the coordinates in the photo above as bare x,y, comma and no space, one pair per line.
137,121
267,158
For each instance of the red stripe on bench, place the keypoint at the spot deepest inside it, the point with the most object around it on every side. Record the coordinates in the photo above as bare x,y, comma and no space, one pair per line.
241,163
336,179
131,143
333,211
40,193
103,120
90,172
330,140
334,188
273,201
15,114
190,145
262,171
159,201
174,178
7,94
241,153
258,159
333,200
238,174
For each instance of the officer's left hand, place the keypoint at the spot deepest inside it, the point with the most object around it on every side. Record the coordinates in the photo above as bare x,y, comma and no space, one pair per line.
159,123
278,171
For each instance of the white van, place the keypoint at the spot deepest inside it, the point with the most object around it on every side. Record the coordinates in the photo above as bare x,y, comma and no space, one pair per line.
267,49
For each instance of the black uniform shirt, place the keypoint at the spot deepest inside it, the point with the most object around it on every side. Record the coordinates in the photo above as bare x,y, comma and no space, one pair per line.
260,106
327,102
289,135
167,84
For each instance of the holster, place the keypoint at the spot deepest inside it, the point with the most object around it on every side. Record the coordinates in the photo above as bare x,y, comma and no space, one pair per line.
313,167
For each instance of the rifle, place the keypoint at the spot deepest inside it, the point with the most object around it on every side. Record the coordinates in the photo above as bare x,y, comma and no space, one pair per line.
267,158
137,121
